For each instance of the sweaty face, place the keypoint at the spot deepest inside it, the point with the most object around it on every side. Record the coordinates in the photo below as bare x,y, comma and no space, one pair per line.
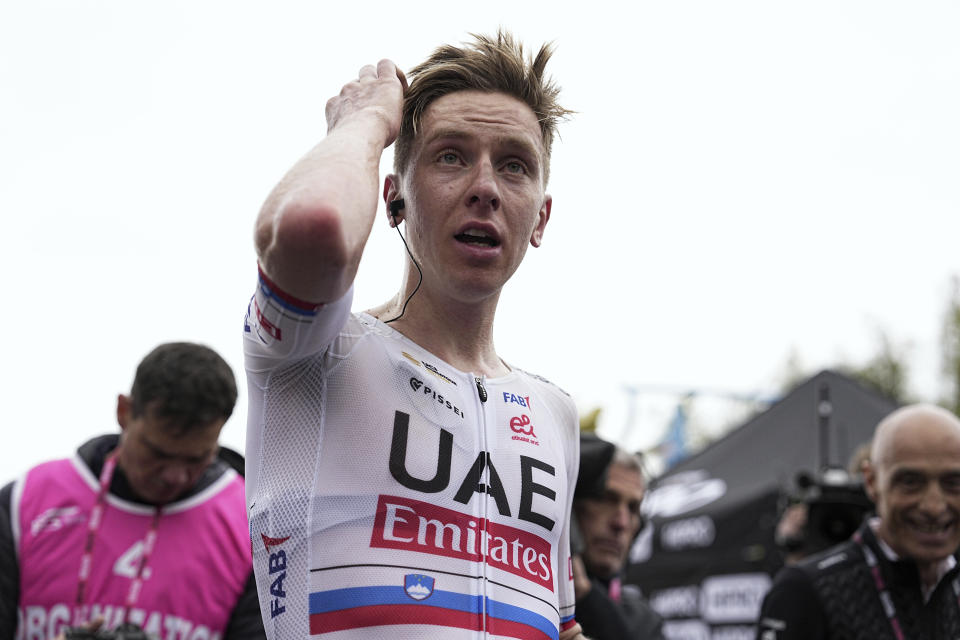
609,524
474,192
160,463
915,484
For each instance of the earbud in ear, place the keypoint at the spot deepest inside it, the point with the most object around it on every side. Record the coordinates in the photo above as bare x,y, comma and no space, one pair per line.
395,206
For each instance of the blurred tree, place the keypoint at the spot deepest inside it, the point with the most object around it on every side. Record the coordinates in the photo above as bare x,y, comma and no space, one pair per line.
794,372
589,420
950,349
886,372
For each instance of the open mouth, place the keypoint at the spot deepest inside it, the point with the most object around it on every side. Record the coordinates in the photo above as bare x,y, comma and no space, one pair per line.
478,238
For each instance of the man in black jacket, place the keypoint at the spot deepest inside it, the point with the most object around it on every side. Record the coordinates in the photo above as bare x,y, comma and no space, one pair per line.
897,578
606,505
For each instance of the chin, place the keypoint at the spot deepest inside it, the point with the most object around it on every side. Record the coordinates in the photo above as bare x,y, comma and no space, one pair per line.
165,497
475,290
604,569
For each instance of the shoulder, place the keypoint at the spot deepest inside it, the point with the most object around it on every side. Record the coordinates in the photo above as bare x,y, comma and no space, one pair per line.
556,401
835,560
542,383
356,328
791,610
555,397
56,473
803,577
796,588
642,614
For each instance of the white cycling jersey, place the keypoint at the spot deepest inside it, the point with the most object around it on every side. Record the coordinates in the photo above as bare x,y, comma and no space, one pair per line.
387,489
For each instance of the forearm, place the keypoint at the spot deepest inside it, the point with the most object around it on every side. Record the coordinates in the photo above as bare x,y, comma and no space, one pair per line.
312,228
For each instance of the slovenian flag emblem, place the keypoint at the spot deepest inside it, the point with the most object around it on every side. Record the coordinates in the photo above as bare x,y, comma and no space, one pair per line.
418,586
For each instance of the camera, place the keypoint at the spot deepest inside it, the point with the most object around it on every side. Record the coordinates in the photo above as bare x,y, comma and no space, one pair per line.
126,631
836,506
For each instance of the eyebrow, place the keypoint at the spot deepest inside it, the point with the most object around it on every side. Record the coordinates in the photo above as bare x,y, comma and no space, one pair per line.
520,142
157,451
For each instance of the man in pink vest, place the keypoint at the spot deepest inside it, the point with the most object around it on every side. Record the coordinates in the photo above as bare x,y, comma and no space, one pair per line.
148,527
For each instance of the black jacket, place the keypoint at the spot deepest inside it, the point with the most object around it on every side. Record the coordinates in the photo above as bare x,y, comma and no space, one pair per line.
245,621
833,596
630,618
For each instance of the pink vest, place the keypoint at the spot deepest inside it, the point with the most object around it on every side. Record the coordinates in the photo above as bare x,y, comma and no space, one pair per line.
195,575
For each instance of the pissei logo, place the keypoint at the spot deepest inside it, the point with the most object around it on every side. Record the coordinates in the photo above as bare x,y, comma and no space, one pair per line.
416,384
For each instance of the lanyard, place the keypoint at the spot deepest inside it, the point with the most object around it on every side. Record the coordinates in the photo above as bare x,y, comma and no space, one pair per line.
881,587
96,518
885,599
615,590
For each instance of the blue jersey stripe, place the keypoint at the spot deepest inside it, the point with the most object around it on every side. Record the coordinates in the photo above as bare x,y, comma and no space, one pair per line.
355,597
337,599
299,310
513,613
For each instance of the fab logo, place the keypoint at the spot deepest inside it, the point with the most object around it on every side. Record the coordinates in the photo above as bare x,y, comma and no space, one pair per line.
277,571
510,398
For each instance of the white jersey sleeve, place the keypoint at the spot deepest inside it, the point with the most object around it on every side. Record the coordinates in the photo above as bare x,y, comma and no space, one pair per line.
280,329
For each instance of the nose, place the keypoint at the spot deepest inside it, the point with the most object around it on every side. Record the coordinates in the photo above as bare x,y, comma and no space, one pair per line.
620,518
484,190
933,502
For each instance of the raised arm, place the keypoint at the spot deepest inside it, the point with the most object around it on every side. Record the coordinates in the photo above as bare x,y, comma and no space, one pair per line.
313,226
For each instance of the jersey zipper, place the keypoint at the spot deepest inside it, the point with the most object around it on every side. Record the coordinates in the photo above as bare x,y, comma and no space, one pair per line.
481,391
484,445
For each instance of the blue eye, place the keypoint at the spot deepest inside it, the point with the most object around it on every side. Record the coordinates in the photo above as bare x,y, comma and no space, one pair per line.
515,167
448,157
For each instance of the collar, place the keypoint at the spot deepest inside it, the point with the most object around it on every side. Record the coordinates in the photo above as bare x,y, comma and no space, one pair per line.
943,567
94,452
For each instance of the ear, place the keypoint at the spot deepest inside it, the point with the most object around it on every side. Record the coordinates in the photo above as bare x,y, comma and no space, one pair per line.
391,191
124,411
870,480
536,239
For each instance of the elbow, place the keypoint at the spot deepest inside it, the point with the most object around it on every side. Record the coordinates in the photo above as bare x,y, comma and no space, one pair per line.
310,230
302,248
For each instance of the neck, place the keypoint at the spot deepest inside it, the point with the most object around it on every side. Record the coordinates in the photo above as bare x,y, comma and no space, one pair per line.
120,486
929,571
929,574
458,332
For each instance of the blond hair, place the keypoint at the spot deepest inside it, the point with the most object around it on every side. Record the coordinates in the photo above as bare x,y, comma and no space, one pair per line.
486,64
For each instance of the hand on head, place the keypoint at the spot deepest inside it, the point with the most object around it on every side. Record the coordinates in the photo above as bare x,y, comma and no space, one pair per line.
377,91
